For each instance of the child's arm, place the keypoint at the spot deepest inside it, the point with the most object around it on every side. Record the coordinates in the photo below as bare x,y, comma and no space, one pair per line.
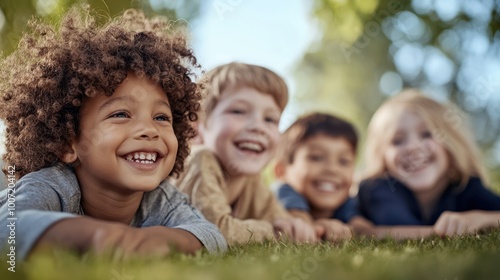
362,226
204,182
484,211
333,229
301,214
167,206
212,202
84,234
294,203
298,207
294,229
458,223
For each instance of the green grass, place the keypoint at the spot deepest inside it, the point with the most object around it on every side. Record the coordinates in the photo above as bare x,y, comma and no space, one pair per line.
469,257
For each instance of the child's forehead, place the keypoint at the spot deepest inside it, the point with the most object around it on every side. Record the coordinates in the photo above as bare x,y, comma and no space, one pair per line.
132,90
246,94
322,141
409,119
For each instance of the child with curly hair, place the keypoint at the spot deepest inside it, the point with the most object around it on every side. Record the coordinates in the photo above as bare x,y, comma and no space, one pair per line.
97,118
239,136
423,172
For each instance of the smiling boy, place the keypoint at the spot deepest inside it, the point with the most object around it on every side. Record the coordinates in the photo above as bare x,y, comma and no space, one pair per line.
94,130
315,162
239,132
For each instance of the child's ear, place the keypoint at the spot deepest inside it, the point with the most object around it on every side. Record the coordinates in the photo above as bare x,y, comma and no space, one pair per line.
279,170
70,155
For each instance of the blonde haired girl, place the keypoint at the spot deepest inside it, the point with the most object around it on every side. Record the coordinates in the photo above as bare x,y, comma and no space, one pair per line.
423,169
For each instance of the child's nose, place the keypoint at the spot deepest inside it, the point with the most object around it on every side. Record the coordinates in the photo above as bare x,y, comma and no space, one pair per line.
414,145
147,130
256,123
332,168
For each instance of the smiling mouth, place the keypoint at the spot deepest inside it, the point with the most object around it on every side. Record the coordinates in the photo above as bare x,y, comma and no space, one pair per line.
327,186
142,157
250,146
416,165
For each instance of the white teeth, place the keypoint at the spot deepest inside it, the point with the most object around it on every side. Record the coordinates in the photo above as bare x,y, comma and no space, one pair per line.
250,146
415,165
142,157
327,187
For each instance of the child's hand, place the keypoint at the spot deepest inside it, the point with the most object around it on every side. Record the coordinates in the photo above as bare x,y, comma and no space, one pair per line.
124,241
454,223
294,228
84,234
333,230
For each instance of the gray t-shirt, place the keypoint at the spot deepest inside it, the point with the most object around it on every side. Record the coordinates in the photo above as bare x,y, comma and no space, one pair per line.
42,198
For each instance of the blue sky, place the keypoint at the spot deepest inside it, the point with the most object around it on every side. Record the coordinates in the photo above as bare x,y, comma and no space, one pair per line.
274,34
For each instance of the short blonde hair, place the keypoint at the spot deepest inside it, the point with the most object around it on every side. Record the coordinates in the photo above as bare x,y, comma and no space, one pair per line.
448,127
236,75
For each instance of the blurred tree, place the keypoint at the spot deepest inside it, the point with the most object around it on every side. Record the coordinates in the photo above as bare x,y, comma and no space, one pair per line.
371,49
14,14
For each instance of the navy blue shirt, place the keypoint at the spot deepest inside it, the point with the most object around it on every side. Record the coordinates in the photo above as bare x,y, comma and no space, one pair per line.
293,200
386,201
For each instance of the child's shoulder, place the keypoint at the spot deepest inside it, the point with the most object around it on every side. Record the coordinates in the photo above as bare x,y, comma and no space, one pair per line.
379,182
58,175
201,151
57,182
203,157
164,194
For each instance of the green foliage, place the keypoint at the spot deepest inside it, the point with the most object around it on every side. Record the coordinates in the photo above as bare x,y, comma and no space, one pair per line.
341,73
18,12
468,257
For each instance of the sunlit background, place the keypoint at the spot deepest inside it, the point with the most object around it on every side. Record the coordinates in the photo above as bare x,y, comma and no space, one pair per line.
337,56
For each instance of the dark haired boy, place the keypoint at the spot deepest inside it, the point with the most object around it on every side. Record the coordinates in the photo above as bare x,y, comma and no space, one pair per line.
316,163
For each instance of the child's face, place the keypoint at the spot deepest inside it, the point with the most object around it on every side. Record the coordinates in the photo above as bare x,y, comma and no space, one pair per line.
322,171
242,130
414,157
127,142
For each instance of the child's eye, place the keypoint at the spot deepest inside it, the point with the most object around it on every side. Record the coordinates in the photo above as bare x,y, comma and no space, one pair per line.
120,114
271,120
237,111
315,158
163,118
426,134
345,161
397,141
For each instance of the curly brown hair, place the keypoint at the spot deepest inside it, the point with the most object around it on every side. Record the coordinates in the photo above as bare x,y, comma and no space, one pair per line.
44,83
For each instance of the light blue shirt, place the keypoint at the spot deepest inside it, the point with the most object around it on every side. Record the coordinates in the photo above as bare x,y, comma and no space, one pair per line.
52,194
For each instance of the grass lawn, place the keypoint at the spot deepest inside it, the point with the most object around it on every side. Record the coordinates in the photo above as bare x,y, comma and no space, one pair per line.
470,257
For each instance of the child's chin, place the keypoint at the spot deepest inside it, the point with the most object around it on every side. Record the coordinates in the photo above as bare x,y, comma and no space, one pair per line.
144,186
420,185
